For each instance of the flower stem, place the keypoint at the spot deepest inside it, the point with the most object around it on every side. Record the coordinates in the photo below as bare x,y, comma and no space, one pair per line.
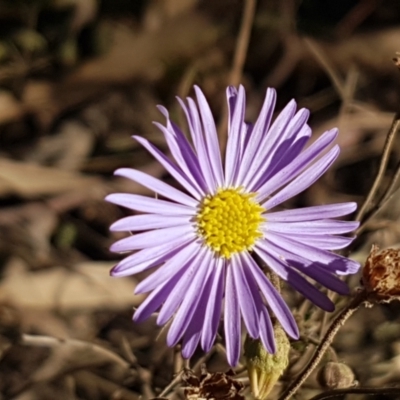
339,321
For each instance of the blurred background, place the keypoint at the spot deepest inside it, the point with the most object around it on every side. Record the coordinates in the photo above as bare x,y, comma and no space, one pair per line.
77,79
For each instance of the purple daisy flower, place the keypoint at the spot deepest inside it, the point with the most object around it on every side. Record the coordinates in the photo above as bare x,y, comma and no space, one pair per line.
201,243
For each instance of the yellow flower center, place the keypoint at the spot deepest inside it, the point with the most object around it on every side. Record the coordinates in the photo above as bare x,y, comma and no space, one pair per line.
229,221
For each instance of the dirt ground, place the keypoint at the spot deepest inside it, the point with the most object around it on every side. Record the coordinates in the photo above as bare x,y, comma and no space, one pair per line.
77,79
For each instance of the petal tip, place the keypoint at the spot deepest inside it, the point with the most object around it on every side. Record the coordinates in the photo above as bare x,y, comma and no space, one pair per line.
115,271
111,198
163,111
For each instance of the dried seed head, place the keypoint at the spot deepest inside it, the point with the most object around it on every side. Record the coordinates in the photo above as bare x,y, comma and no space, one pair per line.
381,274
212,386
336,375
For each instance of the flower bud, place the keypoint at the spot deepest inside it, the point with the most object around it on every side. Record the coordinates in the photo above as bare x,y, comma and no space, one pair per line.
381,274
264,368
336,375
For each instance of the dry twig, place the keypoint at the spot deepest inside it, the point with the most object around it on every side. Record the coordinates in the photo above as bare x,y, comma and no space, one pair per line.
382,168
239,58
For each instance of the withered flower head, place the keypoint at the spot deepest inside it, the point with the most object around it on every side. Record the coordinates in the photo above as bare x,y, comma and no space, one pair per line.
381,274
212,386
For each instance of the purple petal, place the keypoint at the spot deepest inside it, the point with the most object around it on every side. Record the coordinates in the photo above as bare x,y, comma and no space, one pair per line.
261,140
193,118
181,289
169,269
268,143
153,301
236,130
211,136
187,162
157,186
184,152
335,263
322,226
266,329
297,281
267,332
314,270
191,338
193,333
190,301
310,292
140,203
157,297
274,300
304,180
283,156
279,155
245,297
231,97
312,213
146,222
323,242
259,131
299,164
195,190
214,305
319,274
232,319
248,131
263,251
153,238
148,258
